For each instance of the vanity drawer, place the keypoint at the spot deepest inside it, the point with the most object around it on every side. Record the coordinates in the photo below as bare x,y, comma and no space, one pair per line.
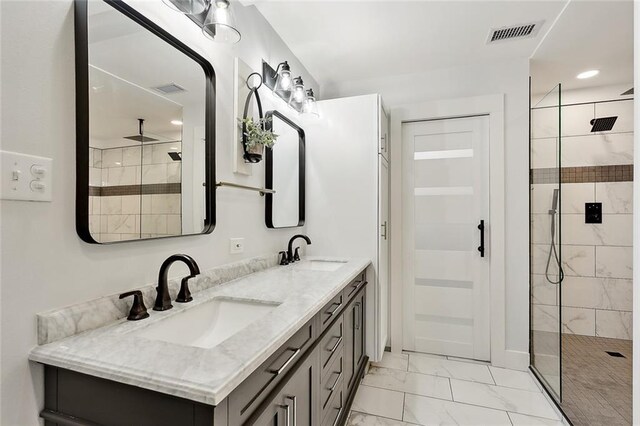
355,285
333,411
253,390
331,311
331,345
331,382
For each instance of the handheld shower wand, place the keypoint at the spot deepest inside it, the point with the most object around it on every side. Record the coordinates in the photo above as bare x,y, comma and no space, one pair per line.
552,248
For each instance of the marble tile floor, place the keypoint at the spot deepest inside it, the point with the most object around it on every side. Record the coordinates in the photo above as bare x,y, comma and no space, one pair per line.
421,389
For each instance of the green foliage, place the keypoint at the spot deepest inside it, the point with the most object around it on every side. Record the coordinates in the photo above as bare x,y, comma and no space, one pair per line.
255,133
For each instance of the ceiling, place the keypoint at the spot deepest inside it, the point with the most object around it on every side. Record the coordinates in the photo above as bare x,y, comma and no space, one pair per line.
352,40
588,35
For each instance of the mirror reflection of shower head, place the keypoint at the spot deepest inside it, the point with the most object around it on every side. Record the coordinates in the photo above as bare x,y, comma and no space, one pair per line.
554,203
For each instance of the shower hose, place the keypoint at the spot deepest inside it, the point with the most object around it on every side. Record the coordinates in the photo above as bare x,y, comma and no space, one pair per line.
553,252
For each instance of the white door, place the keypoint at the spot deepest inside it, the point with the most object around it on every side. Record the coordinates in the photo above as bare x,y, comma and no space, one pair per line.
445,198
383,254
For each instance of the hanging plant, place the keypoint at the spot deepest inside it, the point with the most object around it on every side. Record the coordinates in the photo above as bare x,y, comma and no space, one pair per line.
255,135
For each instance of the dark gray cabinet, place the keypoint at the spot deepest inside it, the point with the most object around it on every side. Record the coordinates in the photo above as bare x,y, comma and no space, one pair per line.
311,380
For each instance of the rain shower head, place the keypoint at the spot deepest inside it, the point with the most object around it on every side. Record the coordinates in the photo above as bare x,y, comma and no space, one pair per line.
140,138
603,124
175,156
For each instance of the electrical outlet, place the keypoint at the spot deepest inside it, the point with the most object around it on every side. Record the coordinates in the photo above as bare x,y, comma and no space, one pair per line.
236,245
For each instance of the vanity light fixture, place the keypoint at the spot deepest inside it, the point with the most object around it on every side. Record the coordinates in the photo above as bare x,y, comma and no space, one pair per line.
310,107
588,74
290,90
220,24
297,96
188,7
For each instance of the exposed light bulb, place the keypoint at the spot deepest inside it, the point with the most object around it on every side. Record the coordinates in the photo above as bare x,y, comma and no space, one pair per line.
285,80
588,74
299,94
176,122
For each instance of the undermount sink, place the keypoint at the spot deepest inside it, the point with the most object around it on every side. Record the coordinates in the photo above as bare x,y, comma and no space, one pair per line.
322,265
209,324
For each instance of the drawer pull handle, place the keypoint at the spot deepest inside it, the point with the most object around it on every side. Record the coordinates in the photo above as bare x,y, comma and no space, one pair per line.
294,400
332,313
286,413
287,362
357,287
336,345
335,422
333,387
357,305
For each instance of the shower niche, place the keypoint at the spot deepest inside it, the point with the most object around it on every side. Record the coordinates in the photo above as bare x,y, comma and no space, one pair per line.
145,143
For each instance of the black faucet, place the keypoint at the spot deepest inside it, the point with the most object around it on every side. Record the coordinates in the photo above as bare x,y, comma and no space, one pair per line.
290,256
163,299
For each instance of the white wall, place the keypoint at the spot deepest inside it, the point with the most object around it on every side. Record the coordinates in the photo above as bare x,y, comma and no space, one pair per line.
510,78
44,263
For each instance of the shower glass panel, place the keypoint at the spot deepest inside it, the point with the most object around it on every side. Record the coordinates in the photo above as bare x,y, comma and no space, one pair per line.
545,256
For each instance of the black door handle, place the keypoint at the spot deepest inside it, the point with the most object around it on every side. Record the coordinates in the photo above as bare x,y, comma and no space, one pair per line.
481,247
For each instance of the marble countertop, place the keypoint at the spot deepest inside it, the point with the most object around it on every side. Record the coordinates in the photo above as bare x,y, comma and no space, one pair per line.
116,353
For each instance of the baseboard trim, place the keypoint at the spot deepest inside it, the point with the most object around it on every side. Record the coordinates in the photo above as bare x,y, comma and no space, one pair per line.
516,360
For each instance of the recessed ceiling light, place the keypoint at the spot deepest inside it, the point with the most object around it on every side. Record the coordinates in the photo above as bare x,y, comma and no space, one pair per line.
176,122
588,74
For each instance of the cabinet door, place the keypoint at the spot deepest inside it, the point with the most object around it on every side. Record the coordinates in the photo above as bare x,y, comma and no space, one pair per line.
349,339
358,332
295,404
381,331
383,143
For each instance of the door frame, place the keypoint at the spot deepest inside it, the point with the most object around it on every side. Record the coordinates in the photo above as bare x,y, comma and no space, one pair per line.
493,106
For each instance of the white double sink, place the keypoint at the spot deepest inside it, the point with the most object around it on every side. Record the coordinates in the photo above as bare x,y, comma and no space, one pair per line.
212,322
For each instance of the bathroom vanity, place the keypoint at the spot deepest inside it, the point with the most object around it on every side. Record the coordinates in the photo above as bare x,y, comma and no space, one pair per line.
284,345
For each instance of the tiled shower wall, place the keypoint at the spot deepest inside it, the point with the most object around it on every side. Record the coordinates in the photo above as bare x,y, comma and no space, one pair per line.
135,192
597,258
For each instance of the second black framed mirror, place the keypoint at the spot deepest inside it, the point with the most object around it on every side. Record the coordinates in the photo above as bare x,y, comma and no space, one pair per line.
285,173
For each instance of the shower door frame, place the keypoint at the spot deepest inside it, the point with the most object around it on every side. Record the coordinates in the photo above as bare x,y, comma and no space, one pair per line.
555,396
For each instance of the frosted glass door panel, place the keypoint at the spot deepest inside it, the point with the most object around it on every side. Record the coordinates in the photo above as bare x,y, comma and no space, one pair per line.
445,197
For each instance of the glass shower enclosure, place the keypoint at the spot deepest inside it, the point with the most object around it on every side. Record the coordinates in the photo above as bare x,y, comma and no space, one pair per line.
545,241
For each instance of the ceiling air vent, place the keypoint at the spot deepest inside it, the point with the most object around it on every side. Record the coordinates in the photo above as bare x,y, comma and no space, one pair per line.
169,89
514,31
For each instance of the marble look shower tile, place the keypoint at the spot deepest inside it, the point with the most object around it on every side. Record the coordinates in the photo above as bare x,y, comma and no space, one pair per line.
614,262
379,402
174,172
403,381
394,361
111,158
96,202
579,321
111,205
541,228
597,150
623,110
600,293
174,224
154,224
431,411
614,324
132,156
579,261
542,291
542,197
131,204
166,203
514,379
545,122
539,256
97,158
616,197
154,173
544,153
121,224
503,398
122,176
613,231
545,318
575,195
452,369
575,120
95,176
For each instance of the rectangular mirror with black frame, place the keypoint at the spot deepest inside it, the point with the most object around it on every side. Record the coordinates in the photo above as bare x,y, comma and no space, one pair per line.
145,129
285,173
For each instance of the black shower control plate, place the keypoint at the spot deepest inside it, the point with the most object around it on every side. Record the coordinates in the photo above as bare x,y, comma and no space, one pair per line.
593,213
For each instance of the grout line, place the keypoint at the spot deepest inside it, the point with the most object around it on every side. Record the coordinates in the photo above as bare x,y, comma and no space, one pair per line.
492,378
509,416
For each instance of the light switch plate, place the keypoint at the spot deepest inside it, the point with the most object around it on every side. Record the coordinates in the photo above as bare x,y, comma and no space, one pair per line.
25,177
236,245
